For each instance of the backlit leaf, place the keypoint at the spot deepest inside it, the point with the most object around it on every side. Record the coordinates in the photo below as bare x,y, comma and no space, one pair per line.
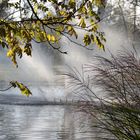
24,90
87,40
82,23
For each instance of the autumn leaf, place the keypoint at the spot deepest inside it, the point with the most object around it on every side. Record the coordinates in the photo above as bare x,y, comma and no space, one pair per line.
71,31
82,23
24,90
87,40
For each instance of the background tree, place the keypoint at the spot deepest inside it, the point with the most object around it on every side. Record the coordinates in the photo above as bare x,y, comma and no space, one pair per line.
123,15
115,106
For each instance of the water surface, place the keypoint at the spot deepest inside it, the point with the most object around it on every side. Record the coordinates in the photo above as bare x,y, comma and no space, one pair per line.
44,123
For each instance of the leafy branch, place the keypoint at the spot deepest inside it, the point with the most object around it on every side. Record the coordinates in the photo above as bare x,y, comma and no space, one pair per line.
17,34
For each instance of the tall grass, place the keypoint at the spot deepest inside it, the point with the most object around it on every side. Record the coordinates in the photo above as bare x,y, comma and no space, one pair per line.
117,111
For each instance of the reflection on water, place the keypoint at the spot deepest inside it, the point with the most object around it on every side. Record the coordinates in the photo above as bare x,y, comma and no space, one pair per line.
43,123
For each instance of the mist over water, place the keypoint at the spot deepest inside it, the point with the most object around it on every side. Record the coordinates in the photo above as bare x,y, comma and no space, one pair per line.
39,67
33,118
39,72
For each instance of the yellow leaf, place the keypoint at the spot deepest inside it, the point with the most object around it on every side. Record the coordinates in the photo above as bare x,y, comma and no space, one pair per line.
63,13
71,31
87,40
82,23
24,90
10,53
49,37
99,43
53,39
72,3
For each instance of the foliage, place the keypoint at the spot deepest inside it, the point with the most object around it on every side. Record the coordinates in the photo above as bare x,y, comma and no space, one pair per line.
24,90
117,110
47,21
42,24
123,15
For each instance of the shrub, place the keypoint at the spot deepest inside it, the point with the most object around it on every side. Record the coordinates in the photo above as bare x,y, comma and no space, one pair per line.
117,111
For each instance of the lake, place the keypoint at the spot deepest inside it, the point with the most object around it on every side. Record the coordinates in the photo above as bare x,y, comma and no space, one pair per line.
48,122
